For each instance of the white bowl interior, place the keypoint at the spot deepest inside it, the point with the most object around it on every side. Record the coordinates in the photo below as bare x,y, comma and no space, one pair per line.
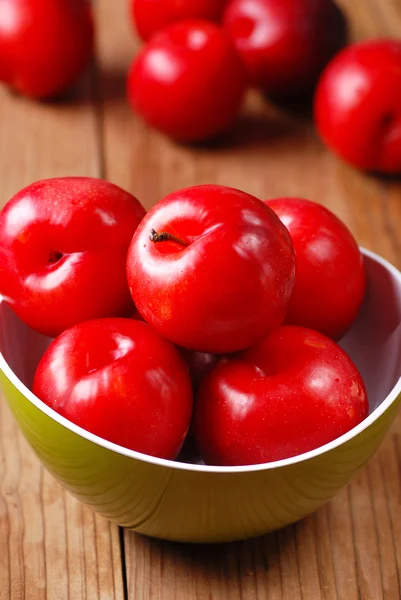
374,342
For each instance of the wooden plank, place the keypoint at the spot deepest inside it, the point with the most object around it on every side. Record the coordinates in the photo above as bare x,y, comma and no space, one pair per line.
52,547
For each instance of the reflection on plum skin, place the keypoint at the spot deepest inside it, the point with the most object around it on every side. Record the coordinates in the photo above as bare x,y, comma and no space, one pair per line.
19,216
59,373
240,402
124,345
321,248
107,218
248,246
161,66
160,380
57,276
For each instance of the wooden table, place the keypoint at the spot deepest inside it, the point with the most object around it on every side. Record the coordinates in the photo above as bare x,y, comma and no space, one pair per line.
51,547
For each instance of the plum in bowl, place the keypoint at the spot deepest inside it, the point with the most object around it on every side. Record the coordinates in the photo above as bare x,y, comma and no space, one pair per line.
198,503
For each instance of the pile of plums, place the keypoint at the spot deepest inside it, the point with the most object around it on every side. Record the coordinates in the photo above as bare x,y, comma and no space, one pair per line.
199,57
214,317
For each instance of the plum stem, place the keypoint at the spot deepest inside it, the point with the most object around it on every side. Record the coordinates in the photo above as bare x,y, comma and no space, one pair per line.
164,236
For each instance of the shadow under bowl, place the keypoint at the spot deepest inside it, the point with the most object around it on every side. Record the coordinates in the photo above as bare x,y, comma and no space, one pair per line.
196,503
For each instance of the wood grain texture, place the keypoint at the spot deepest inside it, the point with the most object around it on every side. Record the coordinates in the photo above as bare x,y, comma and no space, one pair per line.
53,548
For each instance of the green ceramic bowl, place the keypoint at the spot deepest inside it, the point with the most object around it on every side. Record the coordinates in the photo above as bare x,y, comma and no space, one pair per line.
196,503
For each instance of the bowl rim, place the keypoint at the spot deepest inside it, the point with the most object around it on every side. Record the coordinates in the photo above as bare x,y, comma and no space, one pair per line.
172,464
